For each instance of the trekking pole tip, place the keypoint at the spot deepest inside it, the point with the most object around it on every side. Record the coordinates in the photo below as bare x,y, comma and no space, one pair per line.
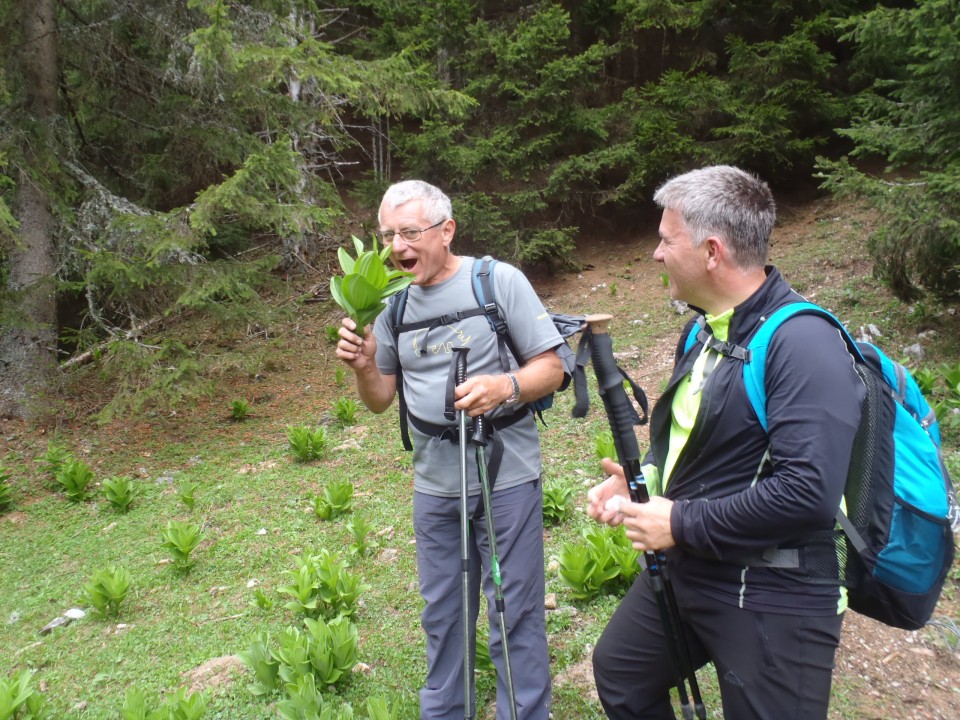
598,322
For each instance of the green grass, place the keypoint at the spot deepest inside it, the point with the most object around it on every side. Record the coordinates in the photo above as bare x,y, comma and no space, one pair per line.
253,501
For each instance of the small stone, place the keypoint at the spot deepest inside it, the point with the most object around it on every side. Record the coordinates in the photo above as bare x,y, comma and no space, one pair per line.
915,350
550,601
54,624
75,614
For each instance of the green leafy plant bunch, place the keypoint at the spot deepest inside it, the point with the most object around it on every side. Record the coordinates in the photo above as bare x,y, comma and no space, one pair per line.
557,503
605,563
74,476
366,283
239,409
19,698
180,539
119,492
106,589
320,585
336,500
6,493
182,705
306,444
323,655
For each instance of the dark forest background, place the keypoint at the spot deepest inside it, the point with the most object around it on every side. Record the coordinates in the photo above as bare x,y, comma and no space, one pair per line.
159,160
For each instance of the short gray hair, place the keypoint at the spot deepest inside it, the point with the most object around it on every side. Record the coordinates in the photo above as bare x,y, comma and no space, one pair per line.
436,204
728,202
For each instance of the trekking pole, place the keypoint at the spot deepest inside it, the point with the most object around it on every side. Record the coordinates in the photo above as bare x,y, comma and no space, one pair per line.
480,441
621,416
460,358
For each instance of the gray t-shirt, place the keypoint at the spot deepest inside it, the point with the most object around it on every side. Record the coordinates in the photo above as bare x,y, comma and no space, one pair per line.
426,358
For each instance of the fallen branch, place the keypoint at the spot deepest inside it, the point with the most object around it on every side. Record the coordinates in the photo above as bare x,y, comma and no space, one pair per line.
88,355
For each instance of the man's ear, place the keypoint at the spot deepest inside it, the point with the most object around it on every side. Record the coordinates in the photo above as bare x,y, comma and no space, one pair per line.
448,228
716,251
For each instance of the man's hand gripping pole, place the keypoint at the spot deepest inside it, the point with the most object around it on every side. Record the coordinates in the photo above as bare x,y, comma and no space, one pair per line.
622,417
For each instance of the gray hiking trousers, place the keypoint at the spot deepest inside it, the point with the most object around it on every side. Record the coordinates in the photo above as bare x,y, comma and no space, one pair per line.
518,526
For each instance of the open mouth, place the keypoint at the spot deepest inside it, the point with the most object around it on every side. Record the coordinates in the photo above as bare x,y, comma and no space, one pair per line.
408,264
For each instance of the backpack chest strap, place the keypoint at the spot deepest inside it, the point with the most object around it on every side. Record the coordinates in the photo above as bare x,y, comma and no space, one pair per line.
723,347
447,319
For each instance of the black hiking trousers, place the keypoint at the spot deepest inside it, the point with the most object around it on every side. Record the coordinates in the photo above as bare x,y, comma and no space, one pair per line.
769,666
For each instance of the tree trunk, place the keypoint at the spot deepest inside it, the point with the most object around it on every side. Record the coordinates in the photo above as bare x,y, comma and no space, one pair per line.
28,350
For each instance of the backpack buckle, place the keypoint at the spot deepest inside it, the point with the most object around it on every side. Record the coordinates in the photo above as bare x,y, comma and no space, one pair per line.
493,317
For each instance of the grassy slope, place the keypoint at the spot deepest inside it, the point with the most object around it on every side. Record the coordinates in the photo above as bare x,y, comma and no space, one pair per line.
248,483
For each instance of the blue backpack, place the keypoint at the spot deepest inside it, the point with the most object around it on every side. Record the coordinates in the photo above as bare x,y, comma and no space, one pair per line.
901,510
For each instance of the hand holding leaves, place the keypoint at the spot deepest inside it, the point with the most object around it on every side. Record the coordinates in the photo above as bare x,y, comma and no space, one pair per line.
366,283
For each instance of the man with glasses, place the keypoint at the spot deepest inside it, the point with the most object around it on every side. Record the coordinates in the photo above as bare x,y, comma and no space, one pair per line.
416,220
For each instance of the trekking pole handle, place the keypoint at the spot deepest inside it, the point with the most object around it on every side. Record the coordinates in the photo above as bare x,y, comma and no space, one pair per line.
620,412
461,368
479,436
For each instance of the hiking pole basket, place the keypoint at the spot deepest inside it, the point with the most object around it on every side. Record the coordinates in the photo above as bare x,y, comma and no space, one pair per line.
622,416
480,442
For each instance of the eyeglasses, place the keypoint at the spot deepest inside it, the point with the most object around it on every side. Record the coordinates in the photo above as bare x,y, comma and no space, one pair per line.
409,235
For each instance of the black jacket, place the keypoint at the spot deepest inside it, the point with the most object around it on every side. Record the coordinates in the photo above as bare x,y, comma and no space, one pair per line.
729,504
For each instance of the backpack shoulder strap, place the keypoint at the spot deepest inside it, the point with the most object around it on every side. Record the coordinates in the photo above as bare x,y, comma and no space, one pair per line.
481,277
755,368
696,327
395,307
483,291
482,281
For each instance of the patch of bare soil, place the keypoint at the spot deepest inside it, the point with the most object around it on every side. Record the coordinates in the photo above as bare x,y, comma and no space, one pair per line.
214,673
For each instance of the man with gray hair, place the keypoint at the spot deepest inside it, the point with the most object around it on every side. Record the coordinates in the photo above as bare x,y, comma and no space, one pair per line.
744,517
439,316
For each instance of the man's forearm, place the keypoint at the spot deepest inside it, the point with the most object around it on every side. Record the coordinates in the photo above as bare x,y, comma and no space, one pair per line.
541,375
375,389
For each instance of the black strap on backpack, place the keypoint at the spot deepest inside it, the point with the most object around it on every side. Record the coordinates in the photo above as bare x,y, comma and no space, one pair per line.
483,292
396,307
486,306
566,325
581,394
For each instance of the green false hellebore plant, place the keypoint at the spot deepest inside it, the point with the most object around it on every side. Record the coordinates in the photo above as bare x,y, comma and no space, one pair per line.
366,283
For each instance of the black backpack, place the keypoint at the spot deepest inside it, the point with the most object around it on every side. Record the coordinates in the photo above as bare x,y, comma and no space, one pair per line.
482,282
